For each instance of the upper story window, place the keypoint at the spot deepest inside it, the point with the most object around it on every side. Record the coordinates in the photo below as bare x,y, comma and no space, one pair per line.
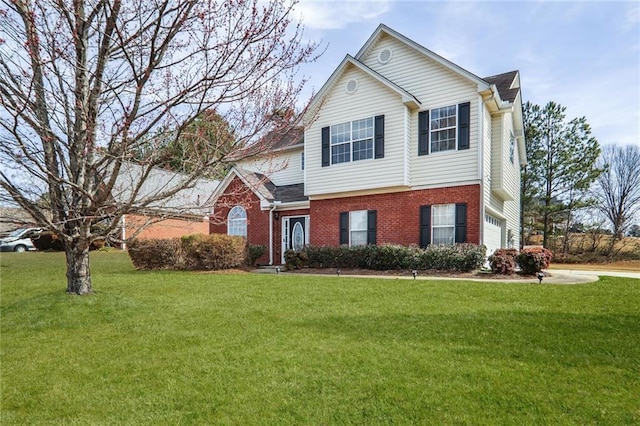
237,222
302,160
352,141
443,128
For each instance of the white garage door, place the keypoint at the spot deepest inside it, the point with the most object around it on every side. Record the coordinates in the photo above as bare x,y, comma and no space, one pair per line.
492,234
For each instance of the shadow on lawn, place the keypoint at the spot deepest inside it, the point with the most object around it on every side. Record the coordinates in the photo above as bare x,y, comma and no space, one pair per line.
561,338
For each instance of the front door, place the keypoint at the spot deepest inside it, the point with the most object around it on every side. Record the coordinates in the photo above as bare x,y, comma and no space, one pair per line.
294,233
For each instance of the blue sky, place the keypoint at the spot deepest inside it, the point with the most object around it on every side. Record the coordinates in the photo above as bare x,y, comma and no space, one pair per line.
583,55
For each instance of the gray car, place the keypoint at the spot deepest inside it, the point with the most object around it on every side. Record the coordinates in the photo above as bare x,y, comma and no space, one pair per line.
20,240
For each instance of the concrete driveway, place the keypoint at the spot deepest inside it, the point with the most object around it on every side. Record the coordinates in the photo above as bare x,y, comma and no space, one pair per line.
579,272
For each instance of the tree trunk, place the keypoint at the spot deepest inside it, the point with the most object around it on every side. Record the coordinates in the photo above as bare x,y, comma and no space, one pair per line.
78,273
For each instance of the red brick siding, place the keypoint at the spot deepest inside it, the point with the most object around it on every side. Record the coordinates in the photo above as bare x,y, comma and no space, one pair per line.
257,220
398,214
168,228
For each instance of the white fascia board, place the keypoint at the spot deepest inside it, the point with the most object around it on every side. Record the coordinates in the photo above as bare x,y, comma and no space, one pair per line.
280,207
234,172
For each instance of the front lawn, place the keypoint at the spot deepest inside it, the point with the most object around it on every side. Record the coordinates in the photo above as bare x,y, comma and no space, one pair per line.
191,348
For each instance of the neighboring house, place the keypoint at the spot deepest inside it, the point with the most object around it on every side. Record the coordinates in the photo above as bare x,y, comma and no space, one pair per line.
400,146
184,212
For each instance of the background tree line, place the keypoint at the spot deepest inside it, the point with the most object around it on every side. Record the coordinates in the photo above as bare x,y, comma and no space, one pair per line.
573,185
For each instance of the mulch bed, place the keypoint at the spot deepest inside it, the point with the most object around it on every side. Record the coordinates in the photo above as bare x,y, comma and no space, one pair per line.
435,274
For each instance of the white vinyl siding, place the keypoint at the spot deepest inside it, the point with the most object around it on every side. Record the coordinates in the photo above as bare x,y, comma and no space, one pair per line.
436,87
370,99
282,168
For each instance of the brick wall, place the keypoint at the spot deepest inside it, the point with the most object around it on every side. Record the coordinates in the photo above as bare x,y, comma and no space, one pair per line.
398,214
257,220
168,228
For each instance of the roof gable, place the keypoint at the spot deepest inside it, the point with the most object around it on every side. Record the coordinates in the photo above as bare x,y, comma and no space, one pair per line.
264,189
407,98
383,29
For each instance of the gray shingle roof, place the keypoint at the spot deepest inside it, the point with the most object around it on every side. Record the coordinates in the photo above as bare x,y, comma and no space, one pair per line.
263,186
504,83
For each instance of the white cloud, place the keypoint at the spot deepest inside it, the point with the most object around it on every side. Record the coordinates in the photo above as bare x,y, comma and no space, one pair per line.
633,17
332,15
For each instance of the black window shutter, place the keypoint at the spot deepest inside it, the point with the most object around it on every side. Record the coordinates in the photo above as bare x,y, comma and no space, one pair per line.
423,133
372,225
425,226
344,228
379,136
464,117
461,223
326,147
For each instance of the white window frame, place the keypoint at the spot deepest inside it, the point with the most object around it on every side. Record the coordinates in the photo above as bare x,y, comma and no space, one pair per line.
344,135
436,127
237,222
438,212
354,229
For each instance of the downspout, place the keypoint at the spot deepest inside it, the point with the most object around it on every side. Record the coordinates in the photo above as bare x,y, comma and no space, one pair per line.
273,207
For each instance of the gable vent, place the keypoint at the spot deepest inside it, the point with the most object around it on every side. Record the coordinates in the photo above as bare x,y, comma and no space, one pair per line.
385,56
351,86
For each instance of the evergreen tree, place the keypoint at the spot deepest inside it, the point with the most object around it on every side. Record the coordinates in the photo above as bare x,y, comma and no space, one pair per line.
562,164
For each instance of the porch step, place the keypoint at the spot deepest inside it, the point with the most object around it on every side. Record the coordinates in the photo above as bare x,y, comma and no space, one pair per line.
268,269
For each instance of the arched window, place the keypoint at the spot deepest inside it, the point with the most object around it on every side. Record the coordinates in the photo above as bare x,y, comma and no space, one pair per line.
237,222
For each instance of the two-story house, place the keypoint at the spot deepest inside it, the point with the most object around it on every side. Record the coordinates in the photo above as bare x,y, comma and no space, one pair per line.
400,146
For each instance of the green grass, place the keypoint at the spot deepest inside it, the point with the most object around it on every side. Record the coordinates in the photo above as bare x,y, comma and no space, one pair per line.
186,348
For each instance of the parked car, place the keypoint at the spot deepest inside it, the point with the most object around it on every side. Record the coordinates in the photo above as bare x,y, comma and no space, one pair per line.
20,240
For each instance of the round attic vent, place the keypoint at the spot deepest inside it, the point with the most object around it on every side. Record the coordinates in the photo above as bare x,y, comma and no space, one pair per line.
351,86
385,56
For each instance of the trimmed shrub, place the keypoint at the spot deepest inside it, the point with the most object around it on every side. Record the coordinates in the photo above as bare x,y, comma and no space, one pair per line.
295,259
255,252
461,257
534,260
155,254
212,252
503,261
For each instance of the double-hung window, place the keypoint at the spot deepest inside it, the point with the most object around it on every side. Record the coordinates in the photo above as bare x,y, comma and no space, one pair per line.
352,141
444,221
443,224
358,227
443,128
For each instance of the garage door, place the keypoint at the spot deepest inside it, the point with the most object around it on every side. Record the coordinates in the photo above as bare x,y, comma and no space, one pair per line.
492,234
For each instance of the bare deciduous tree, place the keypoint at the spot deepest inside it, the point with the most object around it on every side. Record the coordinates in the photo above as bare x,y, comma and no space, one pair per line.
618,188
84,85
